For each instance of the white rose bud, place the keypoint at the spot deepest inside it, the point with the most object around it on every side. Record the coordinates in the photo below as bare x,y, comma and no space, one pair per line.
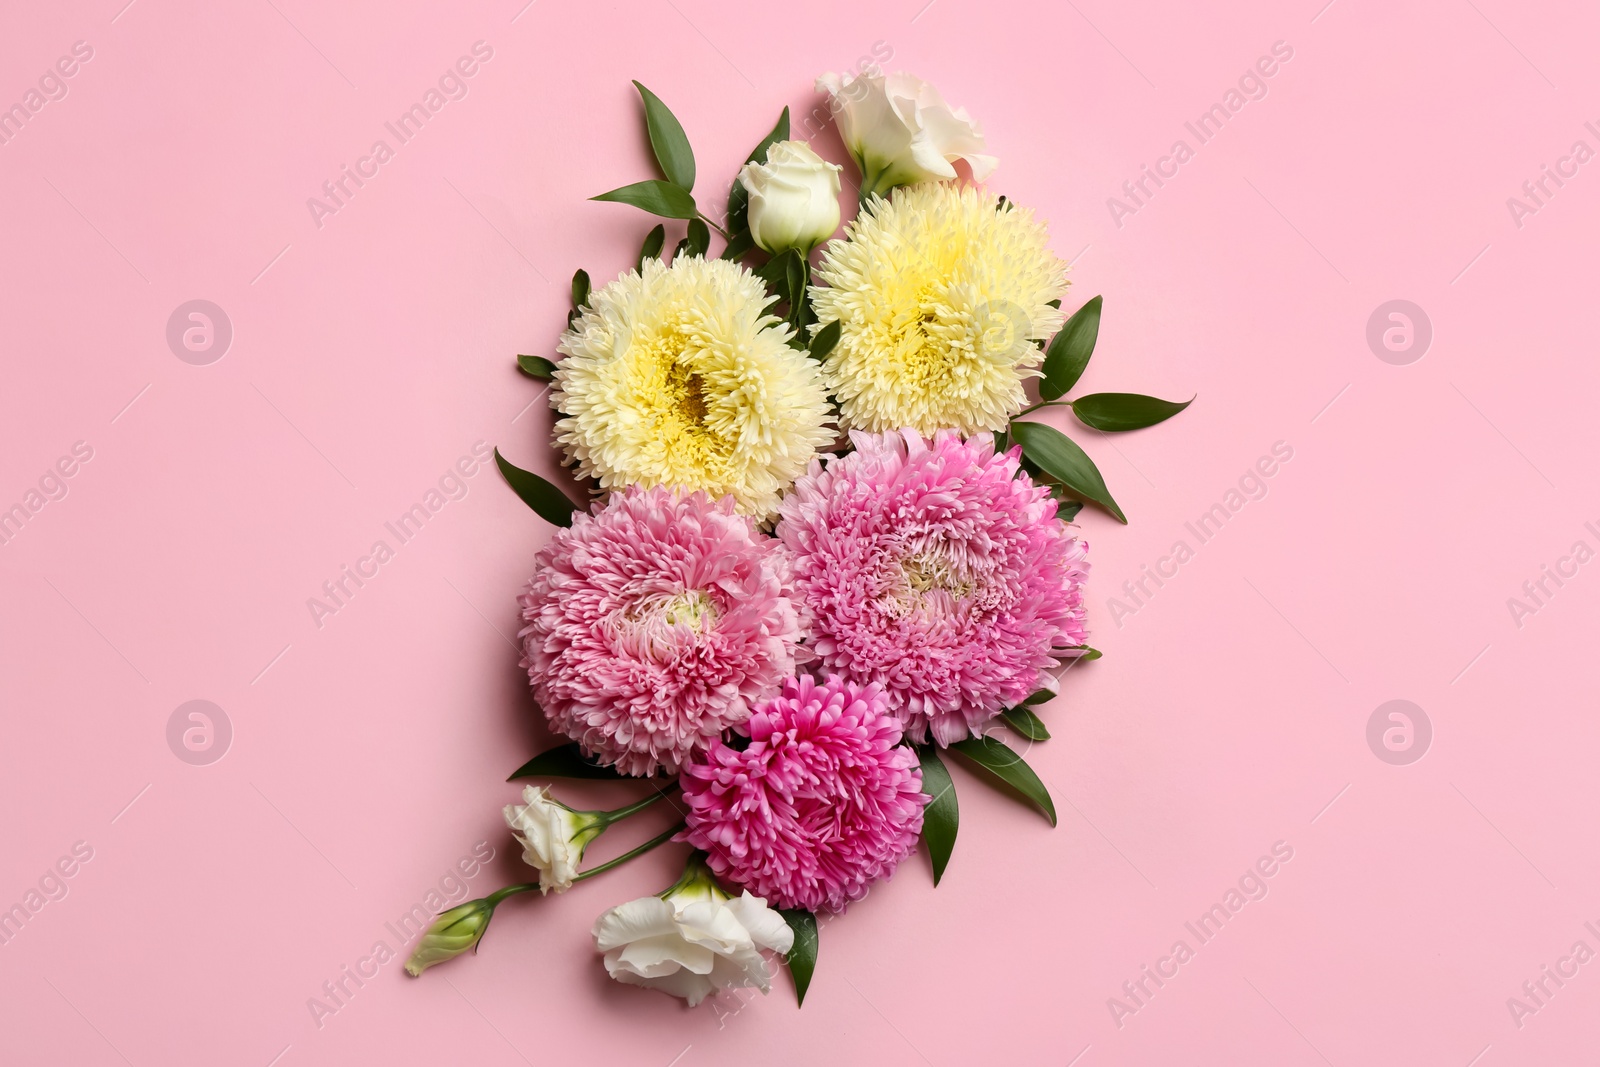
692,940
899,130
553,836
794,198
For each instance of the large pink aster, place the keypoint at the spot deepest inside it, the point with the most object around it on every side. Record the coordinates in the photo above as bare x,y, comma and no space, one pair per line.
653,625
823,801
937,570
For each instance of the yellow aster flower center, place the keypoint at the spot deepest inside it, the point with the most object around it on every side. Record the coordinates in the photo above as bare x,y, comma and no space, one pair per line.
694,609
925,360
652,612
688,396
925,572
672,396
927,581
941,298
939,352
674,375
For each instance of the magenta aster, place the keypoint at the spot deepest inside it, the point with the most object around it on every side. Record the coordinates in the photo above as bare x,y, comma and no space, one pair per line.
653,625
823,801
937,570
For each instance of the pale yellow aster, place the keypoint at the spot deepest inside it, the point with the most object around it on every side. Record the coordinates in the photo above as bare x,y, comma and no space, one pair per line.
677,377
941,293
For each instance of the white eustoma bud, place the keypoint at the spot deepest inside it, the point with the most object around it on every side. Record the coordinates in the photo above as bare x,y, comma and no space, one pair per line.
900,131
794,198
552,835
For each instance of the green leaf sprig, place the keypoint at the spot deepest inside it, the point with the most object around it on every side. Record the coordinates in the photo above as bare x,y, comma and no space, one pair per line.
1051,454
672,198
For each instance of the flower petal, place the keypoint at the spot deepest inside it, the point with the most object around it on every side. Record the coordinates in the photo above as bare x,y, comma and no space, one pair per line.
685,984
656,956
645,917
767,928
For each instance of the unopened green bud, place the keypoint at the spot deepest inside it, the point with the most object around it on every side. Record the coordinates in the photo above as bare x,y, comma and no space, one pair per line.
451,934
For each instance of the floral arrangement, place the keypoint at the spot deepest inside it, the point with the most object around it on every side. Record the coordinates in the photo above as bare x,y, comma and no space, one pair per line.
823,549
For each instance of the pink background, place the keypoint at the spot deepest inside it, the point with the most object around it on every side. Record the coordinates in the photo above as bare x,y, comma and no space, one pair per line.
369,354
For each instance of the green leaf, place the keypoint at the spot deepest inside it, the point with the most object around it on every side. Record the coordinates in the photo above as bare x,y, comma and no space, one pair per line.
657,197
779,132
1088,653
942,815
699,238
1025,723
551,504
1114,412
739,217
802,958
1067,507
536,367
1069,351
772,272
739,196
1058,456
668,140
1002,442
1038,697
651,249
563,761
580,289
741,243
784,274
824,340
1005,765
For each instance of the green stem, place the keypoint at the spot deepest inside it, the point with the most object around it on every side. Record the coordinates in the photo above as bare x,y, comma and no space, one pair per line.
693,871
498,895
660,839
632,809
1041,404
873,180
798,312
709,222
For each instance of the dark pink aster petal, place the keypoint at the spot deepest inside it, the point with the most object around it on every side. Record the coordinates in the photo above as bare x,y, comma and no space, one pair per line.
823,802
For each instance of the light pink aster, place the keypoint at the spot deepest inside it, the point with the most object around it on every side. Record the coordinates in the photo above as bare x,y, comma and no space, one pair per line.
937,570
823,801
653,625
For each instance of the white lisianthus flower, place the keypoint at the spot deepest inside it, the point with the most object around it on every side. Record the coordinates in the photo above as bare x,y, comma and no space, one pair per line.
794,198
692,940
552,835
900,131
